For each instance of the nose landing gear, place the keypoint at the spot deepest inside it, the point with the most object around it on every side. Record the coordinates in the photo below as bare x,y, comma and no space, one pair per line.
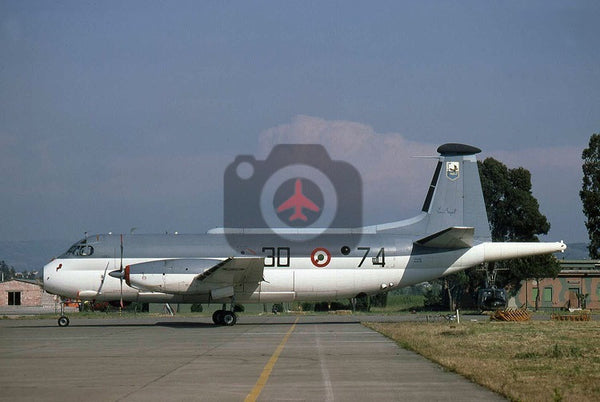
63,320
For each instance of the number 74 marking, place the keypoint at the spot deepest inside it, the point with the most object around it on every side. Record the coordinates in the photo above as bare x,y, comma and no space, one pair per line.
379,259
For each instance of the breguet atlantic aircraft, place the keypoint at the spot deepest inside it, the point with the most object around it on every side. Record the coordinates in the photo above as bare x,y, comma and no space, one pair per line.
449,235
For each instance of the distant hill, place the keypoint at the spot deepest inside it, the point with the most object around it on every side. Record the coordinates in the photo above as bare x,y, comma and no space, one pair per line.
31,255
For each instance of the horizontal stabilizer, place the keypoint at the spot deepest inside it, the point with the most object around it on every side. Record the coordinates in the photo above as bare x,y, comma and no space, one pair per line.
451,238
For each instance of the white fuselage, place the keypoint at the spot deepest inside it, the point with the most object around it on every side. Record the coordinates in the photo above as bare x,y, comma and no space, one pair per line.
87,278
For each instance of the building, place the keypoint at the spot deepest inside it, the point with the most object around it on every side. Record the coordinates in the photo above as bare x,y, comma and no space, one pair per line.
18,292
576,286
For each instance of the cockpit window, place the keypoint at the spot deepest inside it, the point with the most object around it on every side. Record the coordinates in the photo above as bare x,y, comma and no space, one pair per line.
81,249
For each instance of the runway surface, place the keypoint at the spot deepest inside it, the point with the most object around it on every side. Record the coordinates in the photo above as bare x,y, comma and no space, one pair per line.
324,358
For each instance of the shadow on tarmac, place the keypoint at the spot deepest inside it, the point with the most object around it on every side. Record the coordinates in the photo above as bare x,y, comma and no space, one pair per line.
178,324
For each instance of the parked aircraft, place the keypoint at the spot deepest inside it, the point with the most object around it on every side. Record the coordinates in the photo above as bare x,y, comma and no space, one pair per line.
449,235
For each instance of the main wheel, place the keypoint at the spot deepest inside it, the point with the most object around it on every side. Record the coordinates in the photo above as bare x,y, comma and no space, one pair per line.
63,321
217,317
229,318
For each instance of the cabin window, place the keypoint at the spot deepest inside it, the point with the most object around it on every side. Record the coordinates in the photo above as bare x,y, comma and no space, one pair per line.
81,250
14,298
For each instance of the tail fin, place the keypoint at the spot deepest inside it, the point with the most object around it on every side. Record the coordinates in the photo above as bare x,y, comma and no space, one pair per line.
454,198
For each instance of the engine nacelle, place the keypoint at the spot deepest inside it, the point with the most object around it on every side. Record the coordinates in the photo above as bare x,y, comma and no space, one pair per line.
177,276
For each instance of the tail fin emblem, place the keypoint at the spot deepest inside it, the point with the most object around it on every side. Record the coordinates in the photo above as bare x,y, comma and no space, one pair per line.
453,170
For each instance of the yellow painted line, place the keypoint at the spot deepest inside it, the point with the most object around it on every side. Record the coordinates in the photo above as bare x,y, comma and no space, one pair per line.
264,376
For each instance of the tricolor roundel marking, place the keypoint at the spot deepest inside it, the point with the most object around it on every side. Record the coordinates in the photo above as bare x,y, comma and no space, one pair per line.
320,257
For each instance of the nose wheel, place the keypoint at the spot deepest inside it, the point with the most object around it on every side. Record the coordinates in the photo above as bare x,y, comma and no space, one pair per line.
63,320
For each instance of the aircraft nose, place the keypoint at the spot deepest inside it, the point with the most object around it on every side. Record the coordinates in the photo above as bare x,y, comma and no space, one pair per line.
50,271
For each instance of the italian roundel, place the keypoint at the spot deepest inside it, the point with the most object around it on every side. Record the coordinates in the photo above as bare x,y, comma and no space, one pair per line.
320,257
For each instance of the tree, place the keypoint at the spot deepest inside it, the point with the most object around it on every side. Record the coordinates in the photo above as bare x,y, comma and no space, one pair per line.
455,285
590,193
8,272
513,213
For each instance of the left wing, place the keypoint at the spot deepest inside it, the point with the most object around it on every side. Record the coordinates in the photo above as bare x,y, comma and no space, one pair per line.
234,270
195,276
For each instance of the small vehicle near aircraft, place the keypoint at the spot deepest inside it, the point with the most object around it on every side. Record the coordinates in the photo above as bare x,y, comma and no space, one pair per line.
491,299
267,265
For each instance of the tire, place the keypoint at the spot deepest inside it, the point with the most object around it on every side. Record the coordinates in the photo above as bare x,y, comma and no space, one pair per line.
217,317
229,318
63,321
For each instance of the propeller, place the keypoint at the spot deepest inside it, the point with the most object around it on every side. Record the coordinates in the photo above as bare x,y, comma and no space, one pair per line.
120,273
103,279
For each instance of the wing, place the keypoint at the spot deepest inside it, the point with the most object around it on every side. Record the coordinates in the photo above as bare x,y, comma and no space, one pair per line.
234,270
451,238
196,276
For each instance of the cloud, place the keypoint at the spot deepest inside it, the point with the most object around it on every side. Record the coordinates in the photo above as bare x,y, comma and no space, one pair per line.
394,183
53,181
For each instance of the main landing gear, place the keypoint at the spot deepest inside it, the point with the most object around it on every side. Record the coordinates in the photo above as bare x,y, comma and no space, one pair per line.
224,317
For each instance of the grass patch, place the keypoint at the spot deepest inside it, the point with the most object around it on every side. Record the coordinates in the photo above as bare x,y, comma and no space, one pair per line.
399,303
543,360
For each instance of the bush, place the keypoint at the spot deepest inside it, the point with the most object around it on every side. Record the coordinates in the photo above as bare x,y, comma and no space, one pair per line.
196,308
379,300
433,297
362,302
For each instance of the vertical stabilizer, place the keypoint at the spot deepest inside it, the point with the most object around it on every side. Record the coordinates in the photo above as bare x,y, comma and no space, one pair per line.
455,197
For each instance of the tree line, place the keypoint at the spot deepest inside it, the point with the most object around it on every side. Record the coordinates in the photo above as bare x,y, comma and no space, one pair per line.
7,272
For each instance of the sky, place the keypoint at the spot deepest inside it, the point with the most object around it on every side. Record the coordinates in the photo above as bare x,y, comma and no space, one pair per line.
120,115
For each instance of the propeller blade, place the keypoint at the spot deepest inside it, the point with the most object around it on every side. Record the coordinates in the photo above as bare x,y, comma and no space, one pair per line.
122,274
103,279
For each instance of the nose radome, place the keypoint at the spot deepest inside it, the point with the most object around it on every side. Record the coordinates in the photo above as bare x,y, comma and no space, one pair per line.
50,271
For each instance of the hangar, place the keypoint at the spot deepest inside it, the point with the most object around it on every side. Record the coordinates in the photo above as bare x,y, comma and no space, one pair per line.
576,286
19,292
